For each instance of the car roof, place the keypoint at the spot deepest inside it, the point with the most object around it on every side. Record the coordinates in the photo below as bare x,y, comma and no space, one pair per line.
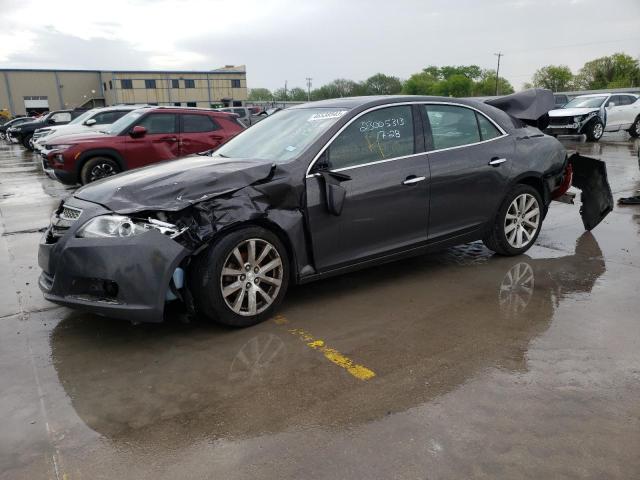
374,100
595,95
506,121
185,109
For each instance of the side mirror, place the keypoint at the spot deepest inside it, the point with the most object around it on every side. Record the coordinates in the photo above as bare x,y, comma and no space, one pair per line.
138,131
51,121
611,104
334,192
91,121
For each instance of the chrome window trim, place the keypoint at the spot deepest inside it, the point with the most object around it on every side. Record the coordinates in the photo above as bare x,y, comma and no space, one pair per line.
388,105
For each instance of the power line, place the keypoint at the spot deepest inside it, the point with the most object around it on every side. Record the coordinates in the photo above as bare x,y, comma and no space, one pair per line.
555,47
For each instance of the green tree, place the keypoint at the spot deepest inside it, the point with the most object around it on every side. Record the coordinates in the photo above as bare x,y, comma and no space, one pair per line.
297,94
340,87
615,71
423,83
472,72
456,85
381,84
486,85
260,94
554,77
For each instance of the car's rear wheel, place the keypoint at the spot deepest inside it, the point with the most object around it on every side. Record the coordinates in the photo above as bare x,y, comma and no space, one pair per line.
97,168
594,130
634,131
242,278
517,223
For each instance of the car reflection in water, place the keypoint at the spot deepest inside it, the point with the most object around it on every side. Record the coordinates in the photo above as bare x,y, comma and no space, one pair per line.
424,325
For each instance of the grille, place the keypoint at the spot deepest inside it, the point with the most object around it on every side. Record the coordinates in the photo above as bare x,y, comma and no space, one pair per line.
70,213
561,120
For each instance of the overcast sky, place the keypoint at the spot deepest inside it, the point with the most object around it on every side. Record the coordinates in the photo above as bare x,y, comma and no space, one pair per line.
282,40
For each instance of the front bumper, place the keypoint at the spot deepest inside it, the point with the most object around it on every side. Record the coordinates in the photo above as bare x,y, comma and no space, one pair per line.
124,278
63,176
572,129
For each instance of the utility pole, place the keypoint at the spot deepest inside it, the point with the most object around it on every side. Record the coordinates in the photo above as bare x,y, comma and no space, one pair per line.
285,90
499,54
308,79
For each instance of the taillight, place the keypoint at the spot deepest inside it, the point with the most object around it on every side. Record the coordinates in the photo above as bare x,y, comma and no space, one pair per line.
566,183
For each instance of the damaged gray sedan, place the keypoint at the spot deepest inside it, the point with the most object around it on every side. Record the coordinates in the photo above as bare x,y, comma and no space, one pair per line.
317,190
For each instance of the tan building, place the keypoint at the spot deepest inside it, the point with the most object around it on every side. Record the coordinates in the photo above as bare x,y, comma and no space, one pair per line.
24,90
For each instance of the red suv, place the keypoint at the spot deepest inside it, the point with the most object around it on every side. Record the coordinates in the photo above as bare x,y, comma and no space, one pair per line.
142,137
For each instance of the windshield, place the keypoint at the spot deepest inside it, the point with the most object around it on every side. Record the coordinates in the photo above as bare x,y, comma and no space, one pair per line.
124,122
283,136
82,117
586,102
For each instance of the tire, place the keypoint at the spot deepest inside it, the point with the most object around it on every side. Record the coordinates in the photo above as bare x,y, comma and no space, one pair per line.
25,142
634,131
207,282
594,130
503,236
97,168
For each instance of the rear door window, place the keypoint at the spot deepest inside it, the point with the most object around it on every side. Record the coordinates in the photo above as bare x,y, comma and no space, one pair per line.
198,123
452,126
379,135
487,129
159,123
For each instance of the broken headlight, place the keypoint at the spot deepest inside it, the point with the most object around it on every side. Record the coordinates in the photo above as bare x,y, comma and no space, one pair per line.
108,226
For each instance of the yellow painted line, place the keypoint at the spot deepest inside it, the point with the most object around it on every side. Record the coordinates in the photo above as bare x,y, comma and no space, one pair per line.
331,354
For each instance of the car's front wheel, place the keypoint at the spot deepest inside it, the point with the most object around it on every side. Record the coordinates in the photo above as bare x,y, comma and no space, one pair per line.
26,142
97,168
634,131
241,279
517,223
594,130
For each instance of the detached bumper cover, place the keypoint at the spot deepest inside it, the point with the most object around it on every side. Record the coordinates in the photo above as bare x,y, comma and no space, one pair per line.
139,267
590,176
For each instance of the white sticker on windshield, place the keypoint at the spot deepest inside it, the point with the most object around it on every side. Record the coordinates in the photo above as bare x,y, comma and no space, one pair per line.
290,148
326,115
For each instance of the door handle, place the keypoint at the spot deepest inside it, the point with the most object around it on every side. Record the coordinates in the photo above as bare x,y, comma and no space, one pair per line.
497,161
169,139
413,180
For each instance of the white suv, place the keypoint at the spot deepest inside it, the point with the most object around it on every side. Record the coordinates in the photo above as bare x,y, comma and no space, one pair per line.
89,122
595,114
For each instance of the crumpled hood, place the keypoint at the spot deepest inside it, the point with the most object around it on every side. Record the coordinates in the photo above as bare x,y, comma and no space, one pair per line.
571,112
175,184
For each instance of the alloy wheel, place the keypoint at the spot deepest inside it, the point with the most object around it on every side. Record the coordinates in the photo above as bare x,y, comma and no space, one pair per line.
522,220
102,170
251,277
637,127
598,130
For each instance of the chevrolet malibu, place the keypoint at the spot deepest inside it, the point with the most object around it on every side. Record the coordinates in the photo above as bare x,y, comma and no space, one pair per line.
317,190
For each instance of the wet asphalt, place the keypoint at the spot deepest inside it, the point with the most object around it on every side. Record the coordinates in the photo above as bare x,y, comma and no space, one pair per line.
478,366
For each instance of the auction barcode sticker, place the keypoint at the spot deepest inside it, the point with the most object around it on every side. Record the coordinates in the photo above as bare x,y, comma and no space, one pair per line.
326,115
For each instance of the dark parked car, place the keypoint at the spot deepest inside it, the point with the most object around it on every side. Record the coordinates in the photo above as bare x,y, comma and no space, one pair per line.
142,137
23,132
13,123
316,190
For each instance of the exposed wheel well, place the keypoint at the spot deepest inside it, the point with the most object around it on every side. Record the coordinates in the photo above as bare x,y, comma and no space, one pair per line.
534,182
